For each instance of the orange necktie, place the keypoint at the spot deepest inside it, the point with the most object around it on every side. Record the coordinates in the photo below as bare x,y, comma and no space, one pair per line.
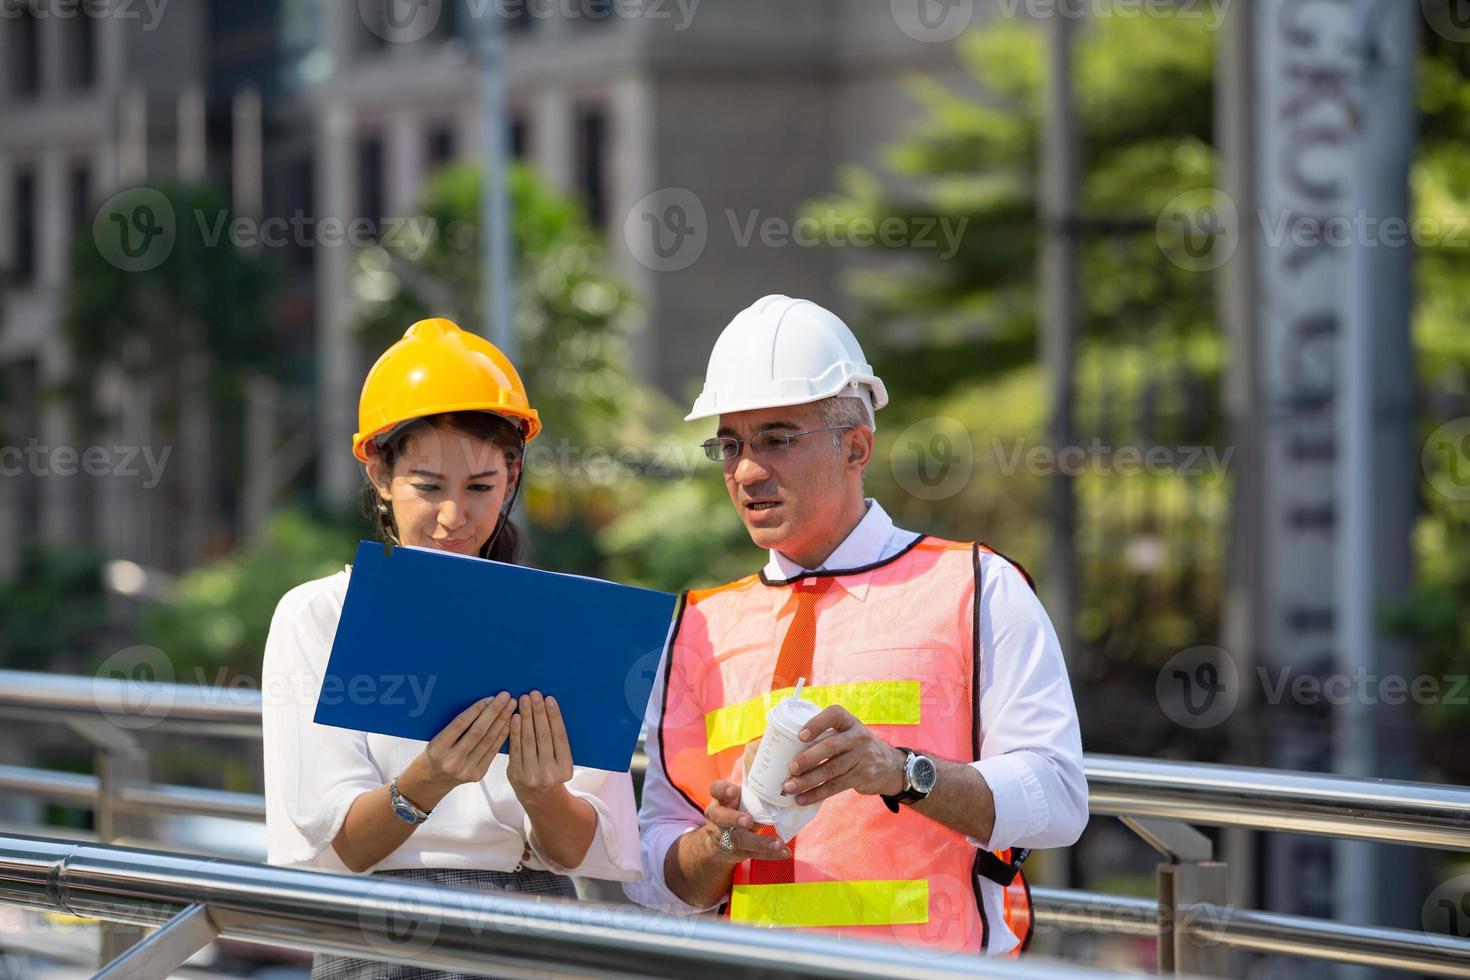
793,663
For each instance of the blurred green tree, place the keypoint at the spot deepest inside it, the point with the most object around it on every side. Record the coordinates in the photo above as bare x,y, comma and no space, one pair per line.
53,608
956,336
198,300
1437,617
214,626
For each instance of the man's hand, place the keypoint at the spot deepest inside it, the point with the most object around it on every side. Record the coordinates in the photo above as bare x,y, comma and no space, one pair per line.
725,812
850,758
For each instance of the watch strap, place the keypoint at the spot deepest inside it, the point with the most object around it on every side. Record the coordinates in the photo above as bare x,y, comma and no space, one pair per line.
397,800
908,795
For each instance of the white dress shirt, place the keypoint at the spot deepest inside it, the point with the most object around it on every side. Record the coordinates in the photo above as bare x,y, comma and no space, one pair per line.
313,773
1030,748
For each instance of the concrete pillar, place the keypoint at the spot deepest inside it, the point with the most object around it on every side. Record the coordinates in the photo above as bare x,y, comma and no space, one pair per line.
132,149
52,35
53,226
193,153
553,138
403,156
338,374
247,189
635,173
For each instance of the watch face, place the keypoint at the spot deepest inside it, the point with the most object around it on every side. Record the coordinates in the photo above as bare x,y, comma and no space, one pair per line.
922,774
405,814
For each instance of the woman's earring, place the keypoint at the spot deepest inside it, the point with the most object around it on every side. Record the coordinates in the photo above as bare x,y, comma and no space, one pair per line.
382,507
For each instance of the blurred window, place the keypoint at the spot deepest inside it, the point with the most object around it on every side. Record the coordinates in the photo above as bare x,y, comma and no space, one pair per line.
592,161
82,56
25,52
520,137
23,230
370,181
441,145
23,396
79,196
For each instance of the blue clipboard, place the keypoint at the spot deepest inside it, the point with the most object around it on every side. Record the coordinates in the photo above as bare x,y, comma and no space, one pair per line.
424,634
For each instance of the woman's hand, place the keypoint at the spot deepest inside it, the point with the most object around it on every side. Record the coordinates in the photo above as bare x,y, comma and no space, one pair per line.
540,754
463,750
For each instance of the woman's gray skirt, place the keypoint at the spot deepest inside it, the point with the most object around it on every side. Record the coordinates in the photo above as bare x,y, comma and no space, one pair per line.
325,966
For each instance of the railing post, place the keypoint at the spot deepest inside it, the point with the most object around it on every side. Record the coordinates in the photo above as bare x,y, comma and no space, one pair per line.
120,760
1189,885
1188,890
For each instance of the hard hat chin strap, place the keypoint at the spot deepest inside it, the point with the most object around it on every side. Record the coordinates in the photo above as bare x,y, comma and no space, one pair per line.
509,503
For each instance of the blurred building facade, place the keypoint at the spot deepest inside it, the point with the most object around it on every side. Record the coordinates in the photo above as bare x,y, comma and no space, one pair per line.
340,111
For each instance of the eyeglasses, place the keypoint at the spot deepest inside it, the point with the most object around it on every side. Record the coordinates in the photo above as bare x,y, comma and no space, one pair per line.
722,449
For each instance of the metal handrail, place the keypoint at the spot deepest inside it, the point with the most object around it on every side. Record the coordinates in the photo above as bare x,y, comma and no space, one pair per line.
134,704
1412,813
1067,911
1295,935
1422,814
1408,813
453,929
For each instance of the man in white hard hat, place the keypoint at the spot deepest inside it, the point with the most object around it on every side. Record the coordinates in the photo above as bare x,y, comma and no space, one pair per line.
947,743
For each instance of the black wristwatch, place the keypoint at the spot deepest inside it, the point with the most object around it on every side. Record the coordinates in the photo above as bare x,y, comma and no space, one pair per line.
919,777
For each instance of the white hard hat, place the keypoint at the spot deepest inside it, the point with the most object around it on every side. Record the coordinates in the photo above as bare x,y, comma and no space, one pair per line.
783,351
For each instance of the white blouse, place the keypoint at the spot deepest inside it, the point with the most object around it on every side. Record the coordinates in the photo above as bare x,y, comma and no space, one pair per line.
313,773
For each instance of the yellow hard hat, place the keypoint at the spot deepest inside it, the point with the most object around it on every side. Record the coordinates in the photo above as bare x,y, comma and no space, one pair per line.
437,367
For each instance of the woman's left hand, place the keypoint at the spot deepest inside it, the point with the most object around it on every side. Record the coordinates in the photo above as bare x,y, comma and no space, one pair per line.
540,754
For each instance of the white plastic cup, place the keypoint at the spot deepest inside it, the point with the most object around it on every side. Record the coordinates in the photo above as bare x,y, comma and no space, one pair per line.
779,745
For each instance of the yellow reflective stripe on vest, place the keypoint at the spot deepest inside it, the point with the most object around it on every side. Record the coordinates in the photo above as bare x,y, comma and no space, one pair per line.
872,702
831,903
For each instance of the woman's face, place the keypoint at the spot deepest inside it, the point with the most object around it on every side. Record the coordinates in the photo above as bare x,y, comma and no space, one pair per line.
446,488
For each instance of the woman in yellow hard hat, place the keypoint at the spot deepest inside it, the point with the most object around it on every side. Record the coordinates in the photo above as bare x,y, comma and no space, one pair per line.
443,424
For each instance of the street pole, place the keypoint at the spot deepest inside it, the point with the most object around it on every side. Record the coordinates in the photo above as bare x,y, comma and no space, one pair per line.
1060,305
495,215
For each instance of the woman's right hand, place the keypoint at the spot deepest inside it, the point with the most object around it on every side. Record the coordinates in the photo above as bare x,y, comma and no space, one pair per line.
463,750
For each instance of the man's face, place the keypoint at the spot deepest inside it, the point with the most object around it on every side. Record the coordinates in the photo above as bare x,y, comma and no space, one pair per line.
791,500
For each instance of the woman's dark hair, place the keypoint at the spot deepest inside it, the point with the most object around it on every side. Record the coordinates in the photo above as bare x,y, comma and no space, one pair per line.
495,429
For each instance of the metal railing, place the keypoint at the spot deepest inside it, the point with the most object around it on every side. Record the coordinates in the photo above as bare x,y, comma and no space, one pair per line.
195,901
1159,800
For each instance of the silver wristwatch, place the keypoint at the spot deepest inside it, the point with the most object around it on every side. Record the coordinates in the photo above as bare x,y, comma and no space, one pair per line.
405,810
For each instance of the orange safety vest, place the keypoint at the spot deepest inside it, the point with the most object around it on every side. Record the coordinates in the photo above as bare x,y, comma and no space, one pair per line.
888,649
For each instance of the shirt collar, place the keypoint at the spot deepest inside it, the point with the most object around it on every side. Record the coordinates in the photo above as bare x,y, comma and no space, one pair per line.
864,545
